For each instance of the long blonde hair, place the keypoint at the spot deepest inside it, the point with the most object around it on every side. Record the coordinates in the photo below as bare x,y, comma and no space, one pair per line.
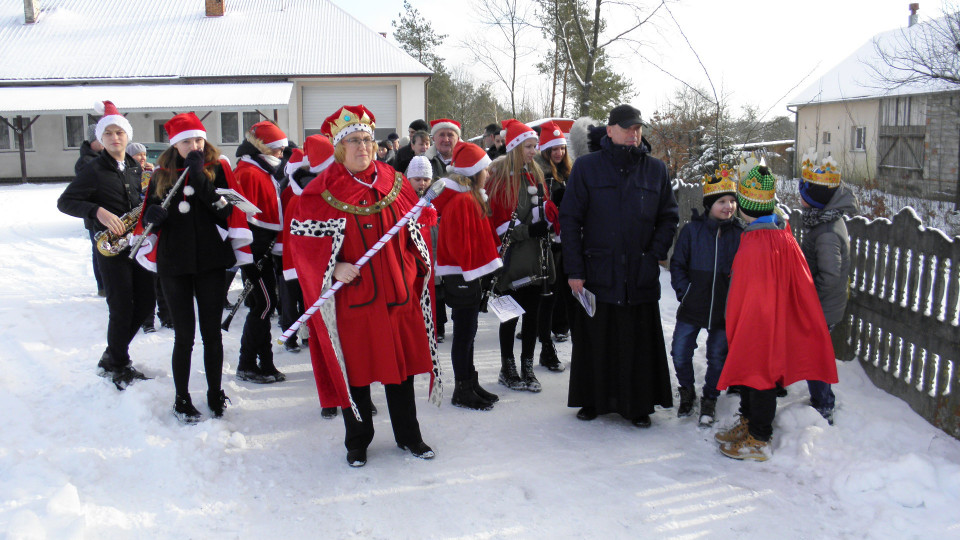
506,177
167,174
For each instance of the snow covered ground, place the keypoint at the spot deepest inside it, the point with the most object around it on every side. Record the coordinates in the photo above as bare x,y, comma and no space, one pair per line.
78,459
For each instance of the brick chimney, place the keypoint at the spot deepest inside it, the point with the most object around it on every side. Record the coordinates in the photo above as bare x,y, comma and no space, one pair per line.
30,11
914,8
215,8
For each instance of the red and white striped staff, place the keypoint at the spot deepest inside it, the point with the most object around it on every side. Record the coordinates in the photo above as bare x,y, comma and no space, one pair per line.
431,194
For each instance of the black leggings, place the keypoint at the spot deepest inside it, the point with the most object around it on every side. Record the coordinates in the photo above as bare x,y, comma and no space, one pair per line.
179,292
464,334
529,299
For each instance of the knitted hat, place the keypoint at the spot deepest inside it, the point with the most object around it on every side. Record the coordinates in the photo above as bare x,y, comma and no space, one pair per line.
468,159
757,192
420,167
551,135
135,148
515,132
269,134
444,123
184,126
419,125
91,132
818,183
319,152
722,182
111,117
347,120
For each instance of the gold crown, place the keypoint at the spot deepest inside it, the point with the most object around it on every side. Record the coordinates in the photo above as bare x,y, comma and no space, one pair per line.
827,173
722,181
348,116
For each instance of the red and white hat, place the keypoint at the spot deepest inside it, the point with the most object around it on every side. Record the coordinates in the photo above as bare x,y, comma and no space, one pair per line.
515,132
347,120
269,134
551,135
468,159
111,117
184,126
296,161
444,123
319,152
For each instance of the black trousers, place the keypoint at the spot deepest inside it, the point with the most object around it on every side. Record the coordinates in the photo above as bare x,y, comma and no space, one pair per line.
529,299
262,301
96,266
759,407
180,291
403,415
291,304
464,333
130,299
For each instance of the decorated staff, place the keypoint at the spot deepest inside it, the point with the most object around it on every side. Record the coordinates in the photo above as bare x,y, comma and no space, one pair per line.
379,328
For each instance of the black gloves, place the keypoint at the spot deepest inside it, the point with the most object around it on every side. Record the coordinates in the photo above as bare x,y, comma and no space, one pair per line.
538,229
194,163
155,215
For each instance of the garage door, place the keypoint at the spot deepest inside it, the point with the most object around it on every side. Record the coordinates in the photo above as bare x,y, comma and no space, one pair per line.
319,102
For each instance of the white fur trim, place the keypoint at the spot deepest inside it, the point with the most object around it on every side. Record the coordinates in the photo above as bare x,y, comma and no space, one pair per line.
263,224
444,125
473,169
290,274
350,129
551,143
279,143
114,120
472,274
188,134
520,138
319,168
506,225
145,248
454,185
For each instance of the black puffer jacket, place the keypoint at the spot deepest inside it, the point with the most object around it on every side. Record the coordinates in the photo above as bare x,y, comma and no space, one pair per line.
700,268
101,184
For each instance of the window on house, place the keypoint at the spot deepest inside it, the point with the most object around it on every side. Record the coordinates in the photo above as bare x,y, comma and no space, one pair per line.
826,137
159,133
860,138
75,129
8,137
234,124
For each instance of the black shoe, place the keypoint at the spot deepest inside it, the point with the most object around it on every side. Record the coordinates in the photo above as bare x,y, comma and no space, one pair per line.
465,396
587,413
328,412
357,458
509,376
291,345
826,413
373,410
148,328
549,360
643,421
253,374
167,324
440,338
708,411
489,396
687,397
184,410
272,374
781,392
101,293
217,401
519,335
420,450
529,379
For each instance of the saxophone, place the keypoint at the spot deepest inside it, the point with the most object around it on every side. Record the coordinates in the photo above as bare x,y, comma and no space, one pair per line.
109,244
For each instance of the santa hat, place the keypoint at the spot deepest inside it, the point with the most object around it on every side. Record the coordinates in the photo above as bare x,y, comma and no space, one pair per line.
319,152
297,160
515,132
111,117
184,126
420,167
551,135
468,159
269,134
347,120
444,123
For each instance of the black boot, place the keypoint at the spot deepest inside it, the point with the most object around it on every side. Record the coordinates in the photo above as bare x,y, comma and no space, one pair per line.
328,412
708,411
184,410
489,396
217,401
548,358
465,396
526,365
687,397
509,376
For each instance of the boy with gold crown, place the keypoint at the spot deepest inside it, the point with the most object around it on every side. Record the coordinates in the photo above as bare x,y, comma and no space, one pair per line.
775,328
700,275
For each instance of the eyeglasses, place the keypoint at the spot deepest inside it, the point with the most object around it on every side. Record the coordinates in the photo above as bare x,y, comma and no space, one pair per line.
357,141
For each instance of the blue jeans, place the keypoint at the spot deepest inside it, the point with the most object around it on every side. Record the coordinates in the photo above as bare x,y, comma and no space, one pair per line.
685,342
821,395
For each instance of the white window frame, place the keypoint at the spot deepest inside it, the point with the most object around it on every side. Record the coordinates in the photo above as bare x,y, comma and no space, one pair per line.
12,136
826,137
87,121
860,138
242,126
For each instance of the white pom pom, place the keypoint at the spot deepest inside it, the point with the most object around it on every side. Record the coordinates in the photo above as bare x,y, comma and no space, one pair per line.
534,200
450,167
532,190
188,190
483,194
184,207
99,107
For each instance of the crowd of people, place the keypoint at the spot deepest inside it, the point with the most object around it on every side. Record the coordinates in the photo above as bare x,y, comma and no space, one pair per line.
575,242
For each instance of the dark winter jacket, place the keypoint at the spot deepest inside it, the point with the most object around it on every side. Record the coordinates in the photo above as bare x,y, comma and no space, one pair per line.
100,183
404,156
618,218
555,186
87,154
826,246
700,269
439,167
194,241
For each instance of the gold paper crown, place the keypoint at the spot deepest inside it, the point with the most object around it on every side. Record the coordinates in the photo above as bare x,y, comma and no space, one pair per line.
333,125
722,181
827,173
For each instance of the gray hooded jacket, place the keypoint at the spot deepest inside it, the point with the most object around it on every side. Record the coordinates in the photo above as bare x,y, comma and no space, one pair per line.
826,246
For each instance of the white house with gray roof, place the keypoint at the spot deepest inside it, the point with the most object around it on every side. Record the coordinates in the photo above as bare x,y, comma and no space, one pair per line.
233,62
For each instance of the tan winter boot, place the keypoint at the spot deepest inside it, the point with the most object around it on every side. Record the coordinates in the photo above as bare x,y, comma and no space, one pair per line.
735,433
747,448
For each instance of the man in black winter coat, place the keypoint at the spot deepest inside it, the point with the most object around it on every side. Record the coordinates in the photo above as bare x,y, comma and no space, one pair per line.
618,218
102,192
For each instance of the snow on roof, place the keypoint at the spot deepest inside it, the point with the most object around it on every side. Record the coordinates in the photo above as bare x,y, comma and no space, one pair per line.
856,78
145,39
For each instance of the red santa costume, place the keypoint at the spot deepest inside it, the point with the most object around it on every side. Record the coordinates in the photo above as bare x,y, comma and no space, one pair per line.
378,327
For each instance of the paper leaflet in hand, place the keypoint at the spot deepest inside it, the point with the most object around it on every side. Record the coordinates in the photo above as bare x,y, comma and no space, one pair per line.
588,300
235,198
505,307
